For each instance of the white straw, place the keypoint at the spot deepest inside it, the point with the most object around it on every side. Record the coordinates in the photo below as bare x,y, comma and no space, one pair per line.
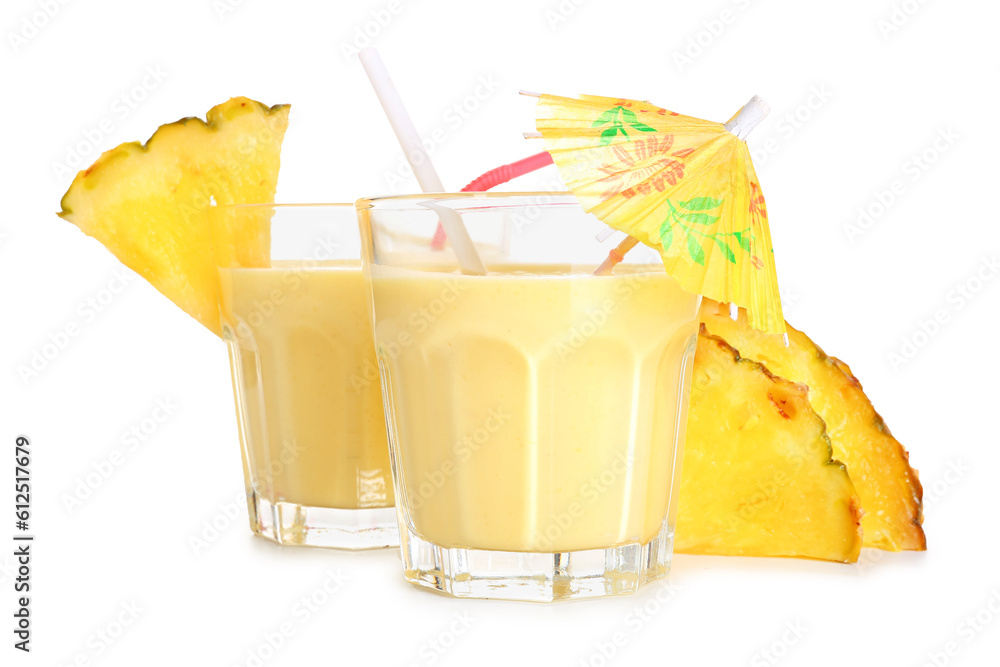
419,160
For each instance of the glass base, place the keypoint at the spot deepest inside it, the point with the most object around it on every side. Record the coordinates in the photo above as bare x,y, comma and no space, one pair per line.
535,577
300,525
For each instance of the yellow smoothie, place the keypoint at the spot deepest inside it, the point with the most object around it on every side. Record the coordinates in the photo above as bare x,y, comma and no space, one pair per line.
306,384
534,413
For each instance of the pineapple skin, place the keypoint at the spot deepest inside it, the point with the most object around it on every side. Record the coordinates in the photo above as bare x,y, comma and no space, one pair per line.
889,487
757,477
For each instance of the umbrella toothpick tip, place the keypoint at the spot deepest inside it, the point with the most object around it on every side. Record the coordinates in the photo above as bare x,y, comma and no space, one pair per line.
747,118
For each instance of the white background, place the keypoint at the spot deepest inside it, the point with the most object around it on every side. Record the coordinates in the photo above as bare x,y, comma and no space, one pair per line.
855,99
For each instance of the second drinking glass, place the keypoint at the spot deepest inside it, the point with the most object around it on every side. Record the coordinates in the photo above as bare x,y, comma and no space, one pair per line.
308,402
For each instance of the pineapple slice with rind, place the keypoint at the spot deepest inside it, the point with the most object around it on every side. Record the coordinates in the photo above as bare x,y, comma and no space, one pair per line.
889,488
757,478
148,203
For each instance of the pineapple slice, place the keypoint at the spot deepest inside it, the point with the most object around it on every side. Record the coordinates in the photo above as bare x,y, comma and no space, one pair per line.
889,488
757,477
148,204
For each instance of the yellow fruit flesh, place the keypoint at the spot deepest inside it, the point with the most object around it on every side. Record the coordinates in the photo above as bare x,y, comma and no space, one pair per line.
889,489
757,477
148,204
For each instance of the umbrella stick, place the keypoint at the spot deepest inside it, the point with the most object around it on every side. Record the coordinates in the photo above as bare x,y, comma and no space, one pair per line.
616,256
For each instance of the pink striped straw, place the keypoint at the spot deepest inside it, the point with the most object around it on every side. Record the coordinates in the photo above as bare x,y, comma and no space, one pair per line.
493,178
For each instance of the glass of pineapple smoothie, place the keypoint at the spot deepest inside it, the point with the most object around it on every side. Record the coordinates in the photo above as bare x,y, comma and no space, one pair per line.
535,413
308,402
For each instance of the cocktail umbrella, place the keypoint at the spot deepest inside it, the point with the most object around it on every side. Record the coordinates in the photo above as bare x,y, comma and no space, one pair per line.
683,186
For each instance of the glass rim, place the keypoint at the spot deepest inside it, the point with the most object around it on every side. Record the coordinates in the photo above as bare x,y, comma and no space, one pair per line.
234,207
366,203
363,203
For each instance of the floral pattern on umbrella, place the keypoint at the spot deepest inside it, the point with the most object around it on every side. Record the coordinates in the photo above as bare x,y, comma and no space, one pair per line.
682,185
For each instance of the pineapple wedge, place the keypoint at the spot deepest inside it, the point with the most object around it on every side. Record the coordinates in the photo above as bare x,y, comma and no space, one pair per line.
890,491
148,204
757,477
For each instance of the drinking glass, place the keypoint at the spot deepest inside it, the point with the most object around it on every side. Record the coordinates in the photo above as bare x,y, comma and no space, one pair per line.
308,402
536,413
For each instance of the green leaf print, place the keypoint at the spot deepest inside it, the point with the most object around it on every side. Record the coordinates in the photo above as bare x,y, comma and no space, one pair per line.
700,218
607,135
666,234
620,118
605,118
701,203
726,250
695,250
